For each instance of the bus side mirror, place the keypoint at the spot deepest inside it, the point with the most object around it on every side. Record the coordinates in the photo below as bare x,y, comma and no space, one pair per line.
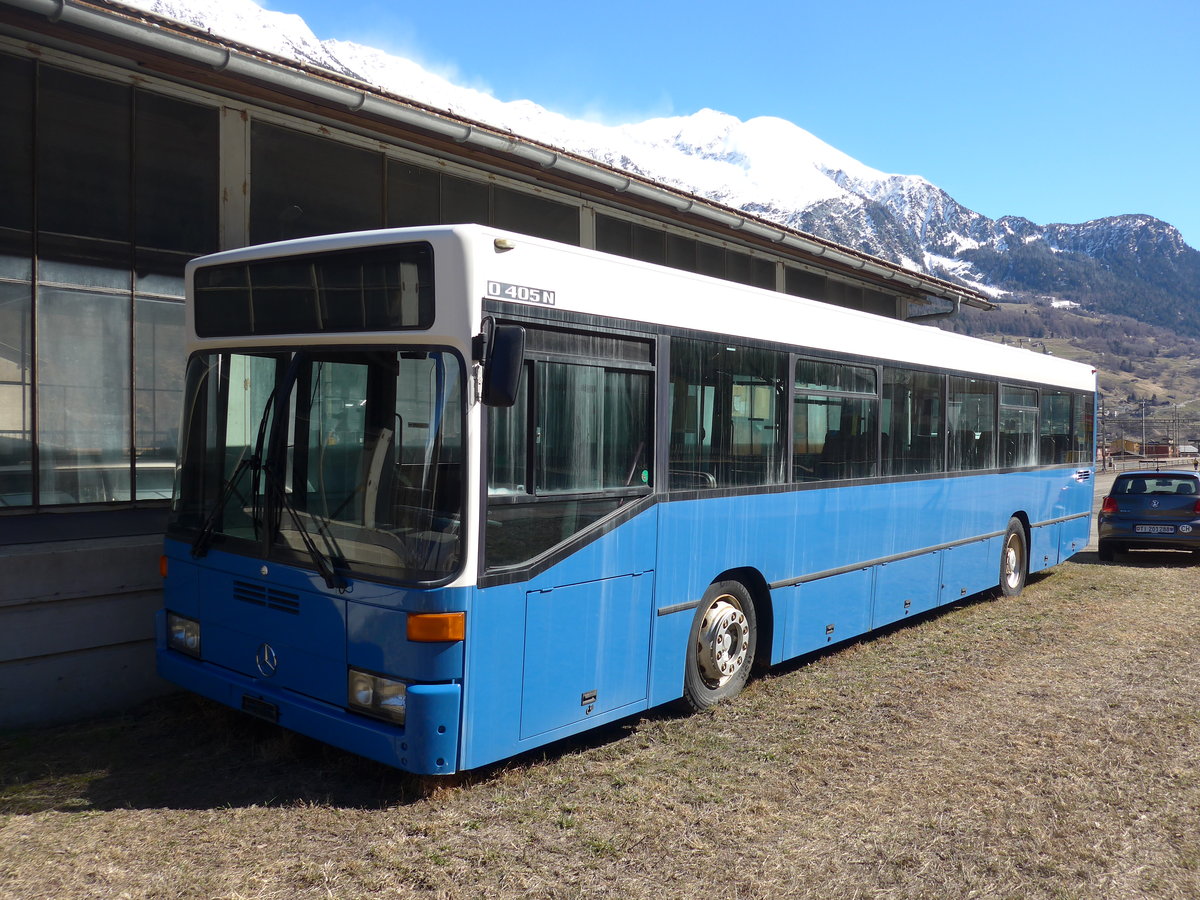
501,351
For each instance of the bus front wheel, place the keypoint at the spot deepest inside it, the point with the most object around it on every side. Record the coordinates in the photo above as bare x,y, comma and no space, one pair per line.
1014,559
720,646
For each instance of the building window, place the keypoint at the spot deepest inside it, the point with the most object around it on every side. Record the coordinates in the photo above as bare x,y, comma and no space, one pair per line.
419,196
464,201
623,238
413,195
16,394
83,396
802,283
16,290
538,216
158,369
681,253
125,189
301,185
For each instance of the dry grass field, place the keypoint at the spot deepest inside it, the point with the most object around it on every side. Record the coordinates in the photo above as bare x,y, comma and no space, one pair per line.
1041,747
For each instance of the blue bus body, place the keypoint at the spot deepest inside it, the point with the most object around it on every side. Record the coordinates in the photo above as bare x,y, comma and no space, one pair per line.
295,601
605,625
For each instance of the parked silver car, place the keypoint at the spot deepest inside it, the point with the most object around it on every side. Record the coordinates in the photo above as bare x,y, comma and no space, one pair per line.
1151,511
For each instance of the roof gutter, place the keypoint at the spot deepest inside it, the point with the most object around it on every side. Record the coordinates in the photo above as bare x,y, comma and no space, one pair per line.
367,100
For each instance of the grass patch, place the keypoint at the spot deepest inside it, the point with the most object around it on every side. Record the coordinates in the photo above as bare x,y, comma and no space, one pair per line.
1036,747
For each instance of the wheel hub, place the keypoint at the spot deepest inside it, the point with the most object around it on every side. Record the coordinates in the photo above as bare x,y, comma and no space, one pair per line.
1011,571
724,641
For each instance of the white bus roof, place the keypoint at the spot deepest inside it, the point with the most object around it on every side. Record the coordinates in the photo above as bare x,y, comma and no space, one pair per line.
591,283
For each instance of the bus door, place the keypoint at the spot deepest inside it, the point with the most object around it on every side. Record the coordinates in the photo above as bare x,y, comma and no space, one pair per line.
569,521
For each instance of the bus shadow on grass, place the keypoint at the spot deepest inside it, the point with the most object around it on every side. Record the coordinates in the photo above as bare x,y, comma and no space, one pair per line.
187,752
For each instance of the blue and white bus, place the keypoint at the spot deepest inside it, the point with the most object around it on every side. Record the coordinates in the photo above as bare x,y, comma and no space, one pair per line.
448,494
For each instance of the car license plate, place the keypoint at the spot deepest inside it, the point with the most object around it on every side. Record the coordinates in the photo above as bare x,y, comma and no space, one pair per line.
1154,529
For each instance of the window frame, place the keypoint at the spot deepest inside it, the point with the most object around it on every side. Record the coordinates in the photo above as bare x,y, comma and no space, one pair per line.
530,386
1034,406
875,399
954,460
624,501
886,463
725,436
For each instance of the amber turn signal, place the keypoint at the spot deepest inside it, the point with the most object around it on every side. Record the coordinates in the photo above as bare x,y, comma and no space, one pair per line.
162,565
436,627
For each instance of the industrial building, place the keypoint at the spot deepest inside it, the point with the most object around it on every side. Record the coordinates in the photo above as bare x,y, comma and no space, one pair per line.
133,144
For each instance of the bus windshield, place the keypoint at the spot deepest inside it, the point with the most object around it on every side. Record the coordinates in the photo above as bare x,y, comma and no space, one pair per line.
349,462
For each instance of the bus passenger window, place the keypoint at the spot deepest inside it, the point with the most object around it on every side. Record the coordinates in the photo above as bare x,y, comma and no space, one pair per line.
593,428
507,432
971,414
576,446
1083,426
1018,426
728,415
835,413
913,434
1054,434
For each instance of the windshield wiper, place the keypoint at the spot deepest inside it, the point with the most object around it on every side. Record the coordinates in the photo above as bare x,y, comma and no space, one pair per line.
252,462
277,498
272,469
209,528
266,467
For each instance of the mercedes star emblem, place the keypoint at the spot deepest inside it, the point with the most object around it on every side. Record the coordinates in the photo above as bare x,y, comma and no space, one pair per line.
266,660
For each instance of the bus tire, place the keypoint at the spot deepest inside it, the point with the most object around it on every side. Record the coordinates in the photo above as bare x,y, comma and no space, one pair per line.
1014,559
721,646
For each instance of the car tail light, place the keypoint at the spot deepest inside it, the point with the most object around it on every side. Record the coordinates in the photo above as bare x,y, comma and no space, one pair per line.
1196,509
1110,505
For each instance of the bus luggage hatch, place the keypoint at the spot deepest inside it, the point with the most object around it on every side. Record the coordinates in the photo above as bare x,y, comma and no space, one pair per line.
587,650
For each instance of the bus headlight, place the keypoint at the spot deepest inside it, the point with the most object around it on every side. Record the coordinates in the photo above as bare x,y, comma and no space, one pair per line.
183,634
377,696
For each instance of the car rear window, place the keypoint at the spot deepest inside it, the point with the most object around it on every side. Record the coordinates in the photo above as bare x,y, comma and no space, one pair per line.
1156,484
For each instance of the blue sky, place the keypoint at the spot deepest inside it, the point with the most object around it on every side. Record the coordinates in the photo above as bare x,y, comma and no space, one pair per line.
1056,111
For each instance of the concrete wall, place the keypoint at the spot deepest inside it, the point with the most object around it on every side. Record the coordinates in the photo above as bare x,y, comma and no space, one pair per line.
77,628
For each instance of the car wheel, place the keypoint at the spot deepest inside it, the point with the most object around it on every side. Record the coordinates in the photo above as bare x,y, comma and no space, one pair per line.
1106,551
721,645
1014,559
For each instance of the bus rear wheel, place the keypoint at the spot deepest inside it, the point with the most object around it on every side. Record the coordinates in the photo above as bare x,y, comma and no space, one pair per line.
1014,559
721,645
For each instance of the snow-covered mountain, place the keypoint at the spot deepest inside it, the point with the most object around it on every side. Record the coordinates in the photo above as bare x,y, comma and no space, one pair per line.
1131,264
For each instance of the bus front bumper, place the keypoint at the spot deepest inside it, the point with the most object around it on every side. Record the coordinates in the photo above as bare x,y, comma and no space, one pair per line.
426,745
